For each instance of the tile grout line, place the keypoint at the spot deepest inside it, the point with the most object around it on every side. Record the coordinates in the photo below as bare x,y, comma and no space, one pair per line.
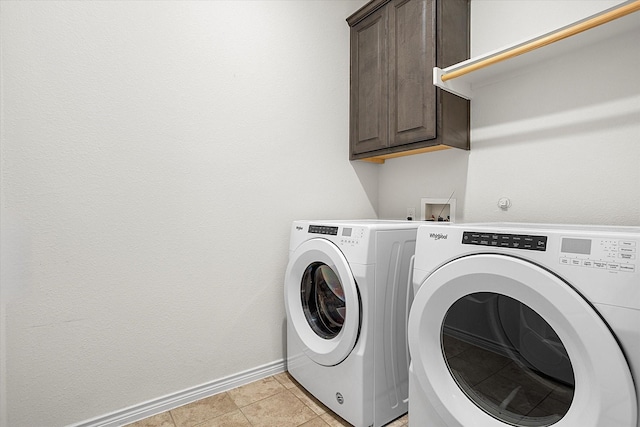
303,391
307,406
217,416
296,385
173,420
284,389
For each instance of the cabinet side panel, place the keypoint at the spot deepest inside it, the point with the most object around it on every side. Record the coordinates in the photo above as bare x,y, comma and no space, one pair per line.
453,47
412,57
369,116
454,120
453,32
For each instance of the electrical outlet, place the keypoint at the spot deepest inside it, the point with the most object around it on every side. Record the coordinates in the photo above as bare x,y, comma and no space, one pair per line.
411,213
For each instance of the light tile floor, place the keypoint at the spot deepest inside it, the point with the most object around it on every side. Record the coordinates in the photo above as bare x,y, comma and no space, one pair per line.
276,401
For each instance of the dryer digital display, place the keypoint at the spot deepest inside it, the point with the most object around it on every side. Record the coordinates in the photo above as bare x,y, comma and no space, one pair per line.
576,246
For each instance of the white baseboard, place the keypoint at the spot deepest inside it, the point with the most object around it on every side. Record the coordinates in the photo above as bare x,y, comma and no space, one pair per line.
156,406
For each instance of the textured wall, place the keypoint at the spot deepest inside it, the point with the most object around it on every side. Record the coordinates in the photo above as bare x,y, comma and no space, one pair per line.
154,155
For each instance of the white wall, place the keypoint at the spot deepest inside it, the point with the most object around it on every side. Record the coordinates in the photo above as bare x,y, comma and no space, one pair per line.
559,140
405,181
154,155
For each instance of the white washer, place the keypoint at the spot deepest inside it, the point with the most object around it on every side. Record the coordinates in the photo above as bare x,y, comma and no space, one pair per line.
525,325
346,297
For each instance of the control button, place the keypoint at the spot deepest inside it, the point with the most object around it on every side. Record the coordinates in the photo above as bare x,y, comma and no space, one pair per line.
470,238
627,250
627,256
575,262
627,268
613,266
627,244
349,242
587,263
565,261
600,264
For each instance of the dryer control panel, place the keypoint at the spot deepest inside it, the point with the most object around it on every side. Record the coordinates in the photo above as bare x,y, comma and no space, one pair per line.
606,254
502,240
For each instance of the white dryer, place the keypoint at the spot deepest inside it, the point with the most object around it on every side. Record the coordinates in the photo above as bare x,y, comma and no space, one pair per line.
346,297
525,325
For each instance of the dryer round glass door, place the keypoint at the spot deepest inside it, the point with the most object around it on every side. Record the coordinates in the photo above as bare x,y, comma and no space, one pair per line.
322,301
518,346
507,359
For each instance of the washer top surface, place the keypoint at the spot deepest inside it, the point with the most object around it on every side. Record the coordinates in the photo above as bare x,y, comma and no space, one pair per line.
379,224
356,239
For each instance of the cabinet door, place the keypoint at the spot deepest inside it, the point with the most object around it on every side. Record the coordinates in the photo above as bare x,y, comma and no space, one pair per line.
412,53
369,84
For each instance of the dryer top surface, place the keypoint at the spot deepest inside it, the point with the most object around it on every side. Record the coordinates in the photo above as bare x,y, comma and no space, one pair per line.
554,228
602,263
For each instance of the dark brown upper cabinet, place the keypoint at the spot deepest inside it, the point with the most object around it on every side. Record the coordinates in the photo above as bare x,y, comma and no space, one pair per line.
395,110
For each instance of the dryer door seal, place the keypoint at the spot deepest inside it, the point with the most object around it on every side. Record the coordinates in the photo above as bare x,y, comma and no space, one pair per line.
328,332
604,392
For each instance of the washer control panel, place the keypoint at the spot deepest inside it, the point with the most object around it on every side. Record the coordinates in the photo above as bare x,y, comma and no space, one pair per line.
605,254
350,236
323,229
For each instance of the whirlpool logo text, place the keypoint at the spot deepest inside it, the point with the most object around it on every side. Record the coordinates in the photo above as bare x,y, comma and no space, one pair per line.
438,236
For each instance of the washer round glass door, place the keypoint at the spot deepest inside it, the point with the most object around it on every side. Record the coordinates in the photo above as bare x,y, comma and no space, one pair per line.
518,346
322,302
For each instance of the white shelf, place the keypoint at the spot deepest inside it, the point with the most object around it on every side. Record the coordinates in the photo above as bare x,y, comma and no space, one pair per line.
460,78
